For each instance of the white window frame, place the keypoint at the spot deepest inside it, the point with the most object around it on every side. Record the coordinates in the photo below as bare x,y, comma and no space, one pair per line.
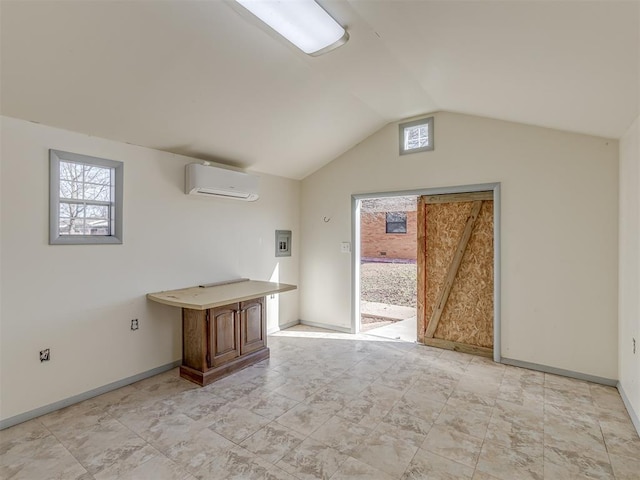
416,123
115,205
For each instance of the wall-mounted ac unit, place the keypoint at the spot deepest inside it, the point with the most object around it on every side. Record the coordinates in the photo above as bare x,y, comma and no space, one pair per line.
220,182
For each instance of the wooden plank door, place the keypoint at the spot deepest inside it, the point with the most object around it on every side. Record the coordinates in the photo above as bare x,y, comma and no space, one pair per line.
455,272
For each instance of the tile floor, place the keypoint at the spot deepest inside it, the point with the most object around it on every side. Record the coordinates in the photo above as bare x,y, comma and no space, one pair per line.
335,406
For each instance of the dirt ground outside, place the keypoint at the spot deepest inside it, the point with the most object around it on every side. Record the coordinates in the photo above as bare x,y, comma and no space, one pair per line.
389,283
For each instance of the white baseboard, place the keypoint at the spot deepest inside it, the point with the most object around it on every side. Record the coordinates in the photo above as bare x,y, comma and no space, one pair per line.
560,371
284,326
326,326
634,416
52,407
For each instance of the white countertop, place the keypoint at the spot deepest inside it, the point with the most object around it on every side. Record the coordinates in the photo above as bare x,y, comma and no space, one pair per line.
199,298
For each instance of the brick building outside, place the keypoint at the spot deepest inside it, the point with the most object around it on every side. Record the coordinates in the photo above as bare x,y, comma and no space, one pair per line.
388,229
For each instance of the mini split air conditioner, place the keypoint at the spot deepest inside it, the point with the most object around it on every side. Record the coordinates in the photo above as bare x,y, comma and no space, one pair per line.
219,182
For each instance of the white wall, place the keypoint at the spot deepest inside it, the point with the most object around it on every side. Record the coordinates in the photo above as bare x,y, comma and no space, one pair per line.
559,230
629,275
79,300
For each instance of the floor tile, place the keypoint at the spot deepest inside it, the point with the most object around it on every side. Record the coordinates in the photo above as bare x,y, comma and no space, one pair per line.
412,427
621,439
198,404
384,451
365,412
238,463
39,458
147,465
118,469
269,404
425,407
237,424
312,460
481,385
21,434
167,383
190,444
353,469
349,384
337,406
341,434
328,400
304,418
430,389
573,434
100,447
576,466
428,466
469,418
507,464
453,445
273,441
300,389
517,427
478,475
625,468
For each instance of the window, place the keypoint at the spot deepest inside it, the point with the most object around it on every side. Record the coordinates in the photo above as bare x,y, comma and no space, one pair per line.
416,136
85,205
396,222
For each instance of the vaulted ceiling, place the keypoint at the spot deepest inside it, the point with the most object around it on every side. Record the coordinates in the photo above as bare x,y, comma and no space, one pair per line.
206,79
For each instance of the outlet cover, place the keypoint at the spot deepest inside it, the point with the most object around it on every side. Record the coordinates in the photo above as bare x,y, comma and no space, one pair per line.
345,247
45,355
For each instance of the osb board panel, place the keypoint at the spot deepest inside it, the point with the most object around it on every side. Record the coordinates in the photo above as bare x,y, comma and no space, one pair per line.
421,280
468,315
444,227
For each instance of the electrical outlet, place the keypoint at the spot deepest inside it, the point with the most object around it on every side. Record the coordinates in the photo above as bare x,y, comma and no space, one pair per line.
134,324
45,355
345,247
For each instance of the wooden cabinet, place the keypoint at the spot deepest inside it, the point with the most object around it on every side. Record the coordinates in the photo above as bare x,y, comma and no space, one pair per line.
223,326
218,341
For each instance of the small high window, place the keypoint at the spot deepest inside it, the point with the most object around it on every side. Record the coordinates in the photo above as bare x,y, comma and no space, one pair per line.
416,136
85,204
396,222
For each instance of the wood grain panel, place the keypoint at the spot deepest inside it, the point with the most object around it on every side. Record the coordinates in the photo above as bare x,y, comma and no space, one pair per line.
253,326
445,288
421,248
468,315
443,228
459,197
224,326
466,318
459,347
194,338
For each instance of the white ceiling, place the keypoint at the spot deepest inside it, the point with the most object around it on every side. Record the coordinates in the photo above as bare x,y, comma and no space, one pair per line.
205,79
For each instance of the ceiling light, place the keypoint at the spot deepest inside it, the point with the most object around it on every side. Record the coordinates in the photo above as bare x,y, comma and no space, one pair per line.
303,22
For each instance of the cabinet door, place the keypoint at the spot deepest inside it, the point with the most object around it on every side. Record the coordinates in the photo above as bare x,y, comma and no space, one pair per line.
253,326
224,335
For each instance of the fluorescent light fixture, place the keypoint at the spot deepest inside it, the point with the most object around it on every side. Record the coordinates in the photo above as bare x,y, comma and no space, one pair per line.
303,22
